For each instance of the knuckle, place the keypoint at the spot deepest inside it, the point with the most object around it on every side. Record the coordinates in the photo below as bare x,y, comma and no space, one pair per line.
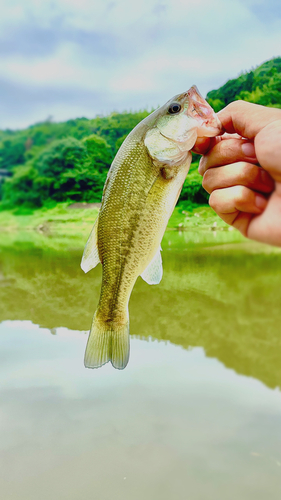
240,195
233,106
213,200
206,181
248,173
226,151
229,148
251,174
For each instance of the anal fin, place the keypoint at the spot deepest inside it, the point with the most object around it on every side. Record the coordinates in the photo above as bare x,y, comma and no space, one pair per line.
154,271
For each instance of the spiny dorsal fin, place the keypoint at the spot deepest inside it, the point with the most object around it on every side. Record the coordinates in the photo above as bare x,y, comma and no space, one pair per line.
91,253
154,271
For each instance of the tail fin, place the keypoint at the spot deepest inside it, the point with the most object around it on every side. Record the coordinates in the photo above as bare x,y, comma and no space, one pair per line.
107,342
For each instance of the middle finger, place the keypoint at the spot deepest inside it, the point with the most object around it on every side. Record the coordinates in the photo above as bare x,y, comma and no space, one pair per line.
228,151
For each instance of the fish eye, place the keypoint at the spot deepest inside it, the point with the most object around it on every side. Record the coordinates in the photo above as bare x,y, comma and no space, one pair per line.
175,107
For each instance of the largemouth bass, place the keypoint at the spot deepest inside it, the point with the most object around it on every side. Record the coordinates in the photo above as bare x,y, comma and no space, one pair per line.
140,193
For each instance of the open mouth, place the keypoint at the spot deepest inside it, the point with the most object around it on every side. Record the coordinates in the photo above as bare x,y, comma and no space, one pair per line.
201,111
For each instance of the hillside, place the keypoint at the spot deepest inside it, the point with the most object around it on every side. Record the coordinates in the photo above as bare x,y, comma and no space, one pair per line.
51,162
261,86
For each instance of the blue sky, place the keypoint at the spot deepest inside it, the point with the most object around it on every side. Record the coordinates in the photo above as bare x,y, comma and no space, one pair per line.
69,58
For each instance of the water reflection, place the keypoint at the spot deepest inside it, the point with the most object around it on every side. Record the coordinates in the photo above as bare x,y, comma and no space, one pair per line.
173,422
176,423
225,299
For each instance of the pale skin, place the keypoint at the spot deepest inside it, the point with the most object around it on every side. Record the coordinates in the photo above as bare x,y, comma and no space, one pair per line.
241,170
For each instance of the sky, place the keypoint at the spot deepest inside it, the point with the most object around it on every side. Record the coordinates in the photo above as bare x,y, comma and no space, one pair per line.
63,59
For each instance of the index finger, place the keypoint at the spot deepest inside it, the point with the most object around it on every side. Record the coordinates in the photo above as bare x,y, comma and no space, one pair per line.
204,144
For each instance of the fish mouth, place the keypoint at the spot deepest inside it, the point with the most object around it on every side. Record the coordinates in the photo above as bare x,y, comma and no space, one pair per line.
208,124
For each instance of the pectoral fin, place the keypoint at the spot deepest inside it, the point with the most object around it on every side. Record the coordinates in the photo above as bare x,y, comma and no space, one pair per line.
91,253
154,271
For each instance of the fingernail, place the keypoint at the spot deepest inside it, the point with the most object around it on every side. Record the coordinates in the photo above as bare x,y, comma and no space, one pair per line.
248,149
260,201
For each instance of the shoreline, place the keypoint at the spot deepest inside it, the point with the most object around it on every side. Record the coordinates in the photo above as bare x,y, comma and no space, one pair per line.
66,227
74,216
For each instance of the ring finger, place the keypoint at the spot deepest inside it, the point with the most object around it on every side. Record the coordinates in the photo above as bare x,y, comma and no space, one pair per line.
228,151
240,173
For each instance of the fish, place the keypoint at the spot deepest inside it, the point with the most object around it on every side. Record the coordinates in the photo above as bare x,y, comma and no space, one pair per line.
141,190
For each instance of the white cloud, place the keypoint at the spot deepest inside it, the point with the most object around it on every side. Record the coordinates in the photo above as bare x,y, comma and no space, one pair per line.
132,56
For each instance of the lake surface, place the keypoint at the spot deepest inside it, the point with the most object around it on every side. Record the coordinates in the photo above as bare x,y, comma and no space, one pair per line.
197,412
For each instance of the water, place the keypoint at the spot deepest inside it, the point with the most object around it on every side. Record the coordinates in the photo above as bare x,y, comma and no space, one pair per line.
197,412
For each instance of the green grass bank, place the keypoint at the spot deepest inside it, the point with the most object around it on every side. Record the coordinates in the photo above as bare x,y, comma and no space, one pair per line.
74,218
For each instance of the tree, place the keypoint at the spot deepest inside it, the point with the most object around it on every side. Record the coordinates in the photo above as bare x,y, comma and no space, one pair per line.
99,152
67,169
19,189
12,152
192,189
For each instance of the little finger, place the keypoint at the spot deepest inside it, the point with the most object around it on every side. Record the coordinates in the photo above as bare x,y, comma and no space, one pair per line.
229,201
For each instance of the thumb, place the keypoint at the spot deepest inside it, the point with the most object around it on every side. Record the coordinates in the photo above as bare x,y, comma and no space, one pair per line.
247,119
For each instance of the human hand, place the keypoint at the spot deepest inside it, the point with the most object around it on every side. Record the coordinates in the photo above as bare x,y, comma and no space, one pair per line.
242,170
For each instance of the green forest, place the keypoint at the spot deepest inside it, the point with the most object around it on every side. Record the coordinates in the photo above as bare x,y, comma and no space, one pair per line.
48,162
